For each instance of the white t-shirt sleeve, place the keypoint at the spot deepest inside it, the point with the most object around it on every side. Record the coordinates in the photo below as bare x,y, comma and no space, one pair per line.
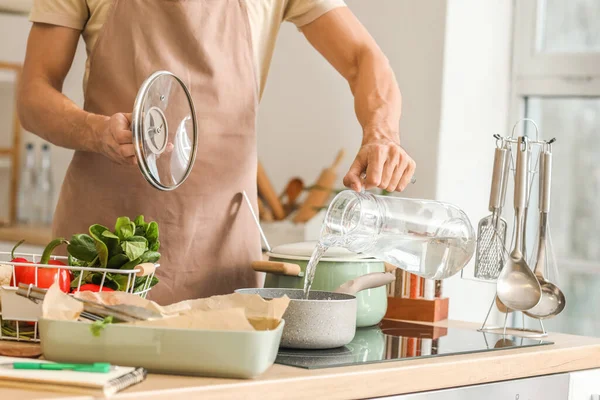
302,12
68,13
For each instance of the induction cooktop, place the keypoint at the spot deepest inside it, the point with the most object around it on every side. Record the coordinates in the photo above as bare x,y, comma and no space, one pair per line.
396,341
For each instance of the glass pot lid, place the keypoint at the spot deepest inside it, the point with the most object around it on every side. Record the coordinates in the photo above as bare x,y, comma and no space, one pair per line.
165,131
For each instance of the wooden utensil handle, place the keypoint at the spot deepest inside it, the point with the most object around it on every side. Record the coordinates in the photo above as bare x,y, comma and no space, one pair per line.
278,268
265,189
146,269
338,159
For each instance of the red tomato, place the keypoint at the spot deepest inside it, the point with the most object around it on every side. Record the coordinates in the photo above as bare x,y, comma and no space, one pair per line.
90,287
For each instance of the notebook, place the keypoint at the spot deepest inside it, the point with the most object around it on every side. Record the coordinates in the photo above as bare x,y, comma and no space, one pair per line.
102,384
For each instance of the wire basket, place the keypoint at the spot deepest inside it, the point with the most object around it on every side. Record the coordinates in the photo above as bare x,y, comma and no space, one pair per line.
18,315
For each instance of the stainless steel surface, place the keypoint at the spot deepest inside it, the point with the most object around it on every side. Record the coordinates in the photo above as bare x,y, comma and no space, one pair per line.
553,300
491,235
517,286
326,320
548,387
256,220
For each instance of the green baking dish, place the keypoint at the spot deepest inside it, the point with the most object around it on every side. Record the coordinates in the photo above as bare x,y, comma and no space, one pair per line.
223,354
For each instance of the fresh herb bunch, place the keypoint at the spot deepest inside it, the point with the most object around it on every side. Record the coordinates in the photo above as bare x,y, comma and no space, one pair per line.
130,244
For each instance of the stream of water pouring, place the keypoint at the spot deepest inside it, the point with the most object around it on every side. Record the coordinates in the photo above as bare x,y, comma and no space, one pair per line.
324,243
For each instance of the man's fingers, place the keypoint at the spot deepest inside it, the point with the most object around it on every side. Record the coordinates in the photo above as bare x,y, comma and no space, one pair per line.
127,151
352,178
395,181
388,172
375,169
128,117
123,137
407,175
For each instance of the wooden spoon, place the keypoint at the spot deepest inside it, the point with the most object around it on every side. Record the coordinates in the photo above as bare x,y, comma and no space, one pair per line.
292,192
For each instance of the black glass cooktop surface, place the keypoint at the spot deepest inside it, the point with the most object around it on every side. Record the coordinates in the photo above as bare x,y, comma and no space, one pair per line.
395,341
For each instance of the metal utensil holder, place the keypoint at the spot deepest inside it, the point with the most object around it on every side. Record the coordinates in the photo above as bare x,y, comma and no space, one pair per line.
542,145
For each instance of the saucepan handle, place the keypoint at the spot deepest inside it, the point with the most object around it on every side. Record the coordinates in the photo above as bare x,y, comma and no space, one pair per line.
277,268
368,281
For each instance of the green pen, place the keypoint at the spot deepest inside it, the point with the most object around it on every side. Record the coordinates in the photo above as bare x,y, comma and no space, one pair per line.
96,367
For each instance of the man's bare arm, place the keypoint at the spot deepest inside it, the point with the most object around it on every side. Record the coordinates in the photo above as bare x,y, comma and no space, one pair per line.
350,49
48,113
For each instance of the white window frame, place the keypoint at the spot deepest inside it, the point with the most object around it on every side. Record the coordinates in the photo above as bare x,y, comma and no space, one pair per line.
539,74
536,73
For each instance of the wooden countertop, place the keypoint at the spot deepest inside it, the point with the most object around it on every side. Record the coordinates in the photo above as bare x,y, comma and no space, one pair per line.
569,353
33,235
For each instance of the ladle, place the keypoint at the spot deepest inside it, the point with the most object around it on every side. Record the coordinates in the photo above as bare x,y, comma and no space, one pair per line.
553,300
517,286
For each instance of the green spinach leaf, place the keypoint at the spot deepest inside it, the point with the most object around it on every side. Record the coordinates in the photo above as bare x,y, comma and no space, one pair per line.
117,261
150,257
140,283
139,221
155,246
82,247
101,248
109,281
121,280
134,247
124,228
152,233
98,326
109,234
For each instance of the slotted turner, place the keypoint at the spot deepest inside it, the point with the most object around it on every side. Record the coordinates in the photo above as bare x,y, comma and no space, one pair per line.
491,237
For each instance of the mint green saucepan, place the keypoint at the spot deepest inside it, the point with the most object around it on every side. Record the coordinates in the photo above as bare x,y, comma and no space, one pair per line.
287,263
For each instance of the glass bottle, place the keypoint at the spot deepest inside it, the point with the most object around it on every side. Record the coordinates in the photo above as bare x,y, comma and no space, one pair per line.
45,188
428,238
25,207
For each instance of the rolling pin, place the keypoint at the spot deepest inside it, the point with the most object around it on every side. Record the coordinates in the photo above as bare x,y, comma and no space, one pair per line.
268,193
319,194
263,212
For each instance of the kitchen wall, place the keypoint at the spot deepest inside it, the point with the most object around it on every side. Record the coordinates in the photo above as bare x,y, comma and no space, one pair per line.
451,59
475,98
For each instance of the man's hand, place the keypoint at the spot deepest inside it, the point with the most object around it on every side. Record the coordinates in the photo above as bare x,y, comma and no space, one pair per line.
114,139
350,49
386,165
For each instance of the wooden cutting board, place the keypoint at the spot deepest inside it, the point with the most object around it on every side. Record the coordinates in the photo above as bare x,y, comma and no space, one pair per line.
20,349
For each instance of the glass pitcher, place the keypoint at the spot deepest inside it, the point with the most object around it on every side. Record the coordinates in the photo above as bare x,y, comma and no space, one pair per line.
428,238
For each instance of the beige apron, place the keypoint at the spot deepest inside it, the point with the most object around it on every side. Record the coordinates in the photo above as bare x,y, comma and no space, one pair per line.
208,238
